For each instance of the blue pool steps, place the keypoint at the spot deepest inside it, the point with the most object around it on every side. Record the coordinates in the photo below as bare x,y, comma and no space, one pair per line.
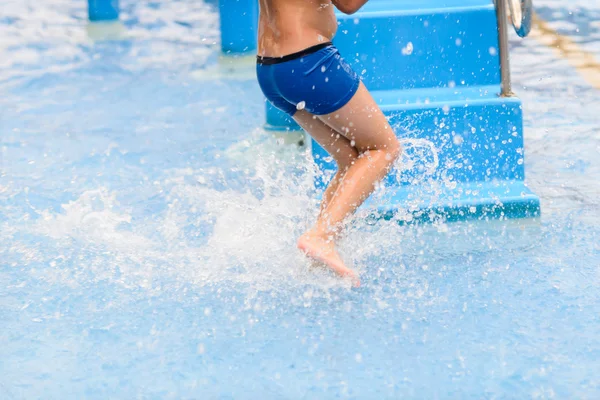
434,69
103,10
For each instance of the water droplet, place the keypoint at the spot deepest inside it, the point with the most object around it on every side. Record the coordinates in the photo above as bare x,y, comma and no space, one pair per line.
301,105
493,51
451,184
408,49
458,41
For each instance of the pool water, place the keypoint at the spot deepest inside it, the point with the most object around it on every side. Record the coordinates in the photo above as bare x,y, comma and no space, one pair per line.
148,227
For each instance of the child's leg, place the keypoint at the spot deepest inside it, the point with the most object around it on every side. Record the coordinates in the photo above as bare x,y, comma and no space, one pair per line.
365,127
345,155
362,122
338,146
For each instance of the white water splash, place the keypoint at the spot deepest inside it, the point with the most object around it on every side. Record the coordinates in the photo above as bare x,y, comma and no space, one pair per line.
204,235
92,218
420,156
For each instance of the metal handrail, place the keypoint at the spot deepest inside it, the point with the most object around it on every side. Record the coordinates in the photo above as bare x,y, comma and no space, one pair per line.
521,14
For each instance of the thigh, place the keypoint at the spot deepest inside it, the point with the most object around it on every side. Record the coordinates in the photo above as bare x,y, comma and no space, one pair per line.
362,122
338,146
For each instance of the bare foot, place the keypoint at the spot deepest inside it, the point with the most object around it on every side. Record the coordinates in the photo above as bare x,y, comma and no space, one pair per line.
323,251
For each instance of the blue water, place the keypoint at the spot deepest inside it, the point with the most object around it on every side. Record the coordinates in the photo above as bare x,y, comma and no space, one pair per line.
147,230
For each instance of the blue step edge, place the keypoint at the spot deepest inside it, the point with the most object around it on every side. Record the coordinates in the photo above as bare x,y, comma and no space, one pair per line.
428,98
392,8
422,7
495,200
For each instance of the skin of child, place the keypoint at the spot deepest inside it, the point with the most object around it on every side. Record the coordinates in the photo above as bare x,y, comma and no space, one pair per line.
357,136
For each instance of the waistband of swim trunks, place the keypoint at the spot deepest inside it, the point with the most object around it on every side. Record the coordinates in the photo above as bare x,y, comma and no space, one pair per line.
277,60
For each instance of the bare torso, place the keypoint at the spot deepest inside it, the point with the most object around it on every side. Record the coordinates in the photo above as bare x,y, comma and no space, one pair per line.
288,26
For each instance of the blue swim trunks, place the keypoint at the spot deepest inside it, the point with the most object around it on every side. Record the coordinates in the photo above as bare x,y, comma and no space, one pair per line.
316,79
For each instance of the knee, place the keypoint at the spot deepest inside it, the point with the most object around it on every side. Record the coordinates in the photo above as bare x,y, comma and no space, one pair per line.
388,147
345,159
393,149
